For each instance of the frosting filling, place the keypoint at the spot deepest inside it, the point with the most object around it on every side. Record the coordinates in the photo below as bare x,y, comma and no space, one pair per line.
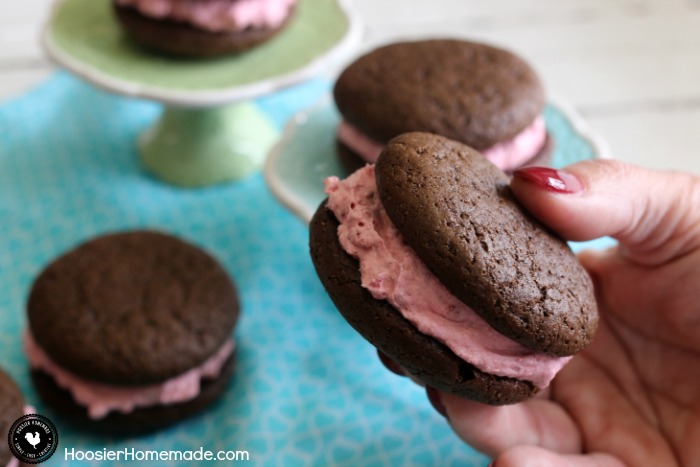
101,399
217,15
391,271
507,155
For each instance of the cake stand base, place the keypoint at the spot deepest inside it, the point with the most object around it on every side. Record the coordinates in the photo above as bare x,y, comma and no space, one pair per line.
194,147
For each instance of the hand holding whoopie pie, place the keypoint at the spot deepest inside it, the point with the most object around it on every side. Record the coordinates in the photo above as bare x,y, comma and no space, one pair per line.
632,397
429,256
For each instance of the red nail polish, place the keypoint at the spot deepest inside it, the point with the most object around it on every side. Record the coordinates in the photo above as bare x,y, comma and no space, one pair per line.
556,181
434,398
390,364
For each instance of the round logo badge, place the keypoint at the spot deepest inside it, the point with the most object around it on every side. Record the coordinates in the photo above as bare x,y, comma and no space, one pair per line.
33,439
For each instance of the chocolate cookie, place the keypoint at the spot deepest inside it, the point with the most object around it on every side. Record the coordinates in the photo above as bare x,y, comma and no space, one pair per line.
131,310
474,93
11,408
457,212
436,211
182,39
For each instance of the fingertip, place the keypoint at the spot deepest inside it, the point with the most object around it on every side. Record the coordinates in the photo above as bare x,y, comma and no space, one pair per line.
464,414
536,456
548,180
494,429
548,195
651,213
435,398
528,456
390,364
594,260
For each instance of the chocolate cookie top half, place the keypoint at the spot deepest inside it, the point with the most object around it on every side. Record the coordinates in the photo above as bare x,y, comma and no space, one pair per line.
11,408
470,92
132,308
456,210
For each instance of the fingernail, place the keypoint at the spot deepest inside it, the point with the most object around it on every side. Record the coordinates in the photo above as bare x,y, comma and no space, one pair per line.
434,398
556,181
390,364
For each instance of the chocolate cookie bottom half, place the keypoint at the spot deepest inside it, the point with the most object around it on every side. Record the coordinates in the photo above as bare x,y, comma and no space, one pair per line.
383,326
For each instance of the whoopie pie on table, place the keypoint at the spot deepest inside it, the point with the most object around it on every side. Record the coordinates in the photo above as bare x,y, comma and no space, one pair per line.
131,331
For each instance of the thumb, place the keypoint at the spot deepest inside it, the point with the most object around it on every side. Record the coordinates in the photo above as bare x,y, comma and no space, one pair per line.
653,214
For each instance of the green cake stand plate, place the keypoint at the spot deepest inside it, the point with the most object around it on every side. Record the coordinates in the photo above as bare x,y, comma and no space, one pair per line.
209,131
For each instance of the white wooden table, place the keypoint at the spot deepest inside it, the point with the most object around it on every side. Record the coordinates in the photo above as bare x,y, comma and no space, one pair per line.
631,67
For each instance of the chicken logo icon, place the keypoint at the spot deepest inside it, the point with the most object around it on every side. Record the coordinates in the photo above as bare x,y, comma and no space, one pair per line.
33,439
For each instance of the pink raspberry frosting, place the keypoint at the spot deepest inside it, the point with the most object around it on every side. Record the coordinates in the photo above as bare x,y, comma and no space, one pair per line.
101,399
507,156
391,271
217,15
